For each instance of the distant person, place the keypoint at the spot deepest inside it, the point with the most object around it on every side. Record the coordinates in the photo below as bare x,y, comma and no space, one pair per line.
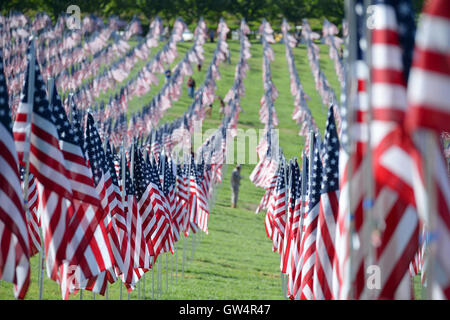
235,183
167,74
199,67
191,87
222,107
209,110
211,36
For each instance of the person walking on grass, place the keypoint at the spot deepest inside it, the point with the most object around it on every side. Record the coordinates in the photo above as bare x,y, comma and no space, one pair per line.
222,107
167,74
235,183
191,87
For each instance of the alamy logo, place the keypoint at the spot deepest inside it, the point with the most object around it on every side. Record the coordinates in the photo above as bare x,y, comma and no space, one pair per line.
73,22
373,277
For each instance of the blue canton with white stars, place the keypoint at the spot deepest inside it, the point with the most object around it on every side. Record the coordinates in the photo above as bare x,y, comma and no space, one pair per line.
330,175
316,178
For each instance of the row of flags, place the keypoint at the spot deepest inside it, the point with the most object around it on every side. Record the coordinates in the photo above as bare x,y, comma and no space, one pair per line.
100,212
373,193
58,47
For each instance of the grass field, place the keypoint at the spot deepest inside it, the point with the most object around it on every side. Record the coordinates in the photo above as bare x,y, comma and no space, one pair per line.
235,260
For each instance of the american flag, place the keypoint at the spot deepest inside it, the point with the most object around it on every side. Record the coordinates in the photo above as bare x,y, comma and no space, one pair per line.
116,209
88,233
47,164
32,214
170,191
193,206
183,195
152,204
328,211
394,212
135,250
353,164
203,178
308,245
292,193
14,247
279,208
105,187
428,114
266,203
297,232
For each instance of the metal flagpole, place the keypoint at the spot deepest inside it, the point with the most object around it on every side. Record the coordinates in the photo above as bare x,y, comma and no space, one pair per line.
41,268
289,181
194,235
430,212
132,181
153,258
176,262
123,194
171,265
163,164
159,278
285,202
176,249
368,202
184,254
167,271
30,102
351,94
302,198
143,286
153,280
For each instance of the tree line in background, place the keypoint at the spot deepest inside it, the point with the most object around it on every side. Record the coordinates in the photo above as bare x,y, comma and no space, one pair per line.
191,10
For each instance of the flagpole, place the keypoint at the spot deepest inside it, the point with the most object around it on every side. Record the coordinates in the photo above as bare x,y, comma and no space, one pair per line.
41,266
123,193
159,277
184,254
351,91
132,181
176,264
176,250
171,265
368,205
283,289
143,286
184,233
302,199
153,279
430,212
167,271
30,102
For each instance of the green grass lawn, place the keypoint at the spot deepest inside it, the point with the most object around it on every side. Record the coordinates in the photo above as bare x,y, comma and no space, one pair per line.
235,260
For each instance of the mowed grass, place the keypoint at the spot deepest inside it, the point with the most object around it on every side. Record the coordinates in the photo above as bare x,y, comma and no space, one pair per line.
235,259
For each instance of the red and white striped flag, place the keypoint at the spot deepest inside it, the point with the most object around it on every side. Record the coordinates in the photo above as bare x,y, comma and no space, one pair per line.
47,164
87,229
428,114
394,214
308,245
328,211
14,246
